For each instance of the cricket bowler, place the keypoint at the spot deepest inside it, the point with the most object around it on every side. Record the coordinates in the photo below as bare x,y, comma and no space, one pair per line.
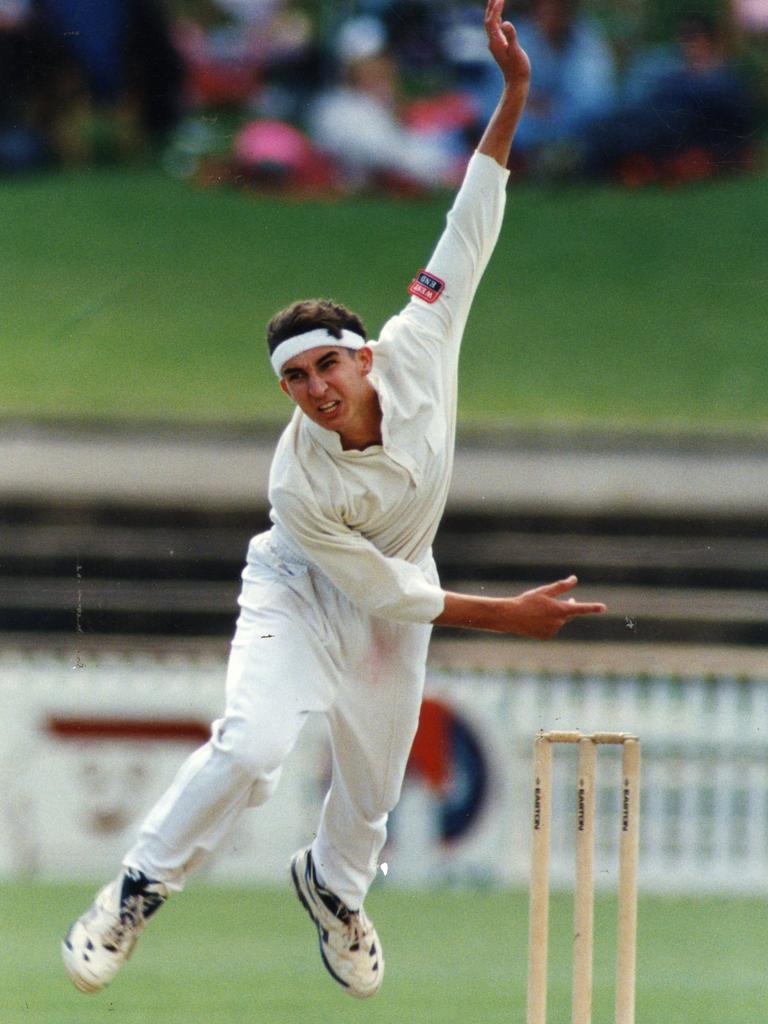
340,596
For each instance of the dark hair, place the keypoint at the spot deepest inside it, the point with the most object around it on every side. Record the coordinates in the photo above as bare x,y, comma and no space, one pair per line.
306,315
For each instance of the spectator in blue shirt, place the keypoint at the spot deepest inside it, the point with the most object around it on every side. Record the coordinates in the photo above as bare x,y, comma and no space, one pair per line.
573,77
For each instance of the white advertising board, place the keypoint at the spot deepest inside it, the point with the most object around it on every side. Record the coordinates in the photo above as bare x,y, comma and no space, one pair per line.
86,749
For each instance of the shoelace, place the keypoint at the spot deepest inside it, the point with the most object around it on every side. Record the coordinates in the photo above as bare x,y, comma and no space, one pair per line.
357,925
132,917
358,928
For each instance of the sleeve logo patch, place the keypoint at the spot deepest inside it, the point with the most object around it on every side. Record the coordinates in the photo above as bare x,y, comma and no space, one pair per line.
426,286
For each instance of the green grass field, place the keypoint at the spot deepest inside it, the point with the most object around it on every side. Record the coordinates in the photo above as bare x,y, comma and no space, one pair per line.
236,956
128,295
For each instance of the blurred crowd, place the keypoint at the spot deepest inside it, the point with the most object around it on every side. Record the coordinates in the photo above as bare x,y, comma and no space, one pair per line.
321,96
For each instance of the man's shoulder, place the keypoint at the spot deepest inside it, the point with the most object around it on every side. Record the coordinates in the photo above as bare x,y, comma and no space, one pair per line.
405,337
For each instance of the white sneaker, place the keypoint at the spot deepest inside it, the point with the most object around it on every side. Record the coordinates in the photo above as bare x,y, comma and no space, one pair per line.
99,942
349,945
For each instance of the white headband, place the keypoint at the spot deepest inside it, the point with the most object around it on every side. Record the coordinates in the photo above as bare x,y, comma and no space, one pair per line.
299,343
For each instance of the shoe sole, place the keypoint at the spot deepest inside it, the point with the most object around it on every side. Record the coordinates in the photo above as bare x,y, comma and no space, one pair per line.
305,898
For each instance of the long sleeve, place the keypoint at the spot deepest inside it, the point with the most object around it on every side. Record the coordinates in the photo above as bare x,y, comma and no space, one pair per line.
459,259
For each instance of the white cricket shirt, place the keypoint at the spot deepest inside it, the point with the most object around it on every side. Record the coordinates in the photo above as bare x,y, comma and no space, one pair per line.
367,519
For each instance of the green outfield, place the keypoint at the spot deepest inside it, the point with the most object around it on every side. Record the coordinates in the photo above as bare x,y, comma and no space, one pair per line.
128,295
236,956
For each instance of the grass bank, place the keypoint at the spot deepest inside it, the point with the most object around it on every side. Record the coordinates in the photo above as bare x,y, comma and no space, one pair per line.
128,295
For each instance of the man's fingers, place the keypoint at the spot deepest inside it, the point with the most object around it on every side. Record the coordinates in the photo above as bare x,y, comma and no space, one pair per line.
559,587
493,25
493,9
509,31
584,608
571,607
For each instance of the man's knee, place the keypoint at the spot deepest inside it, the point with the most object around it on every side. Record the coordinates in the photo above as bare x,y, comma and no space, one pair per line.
257,754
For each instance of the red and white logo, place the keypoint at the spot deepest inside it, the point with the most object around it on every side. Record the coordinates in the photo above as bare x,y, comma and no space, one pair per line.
426,286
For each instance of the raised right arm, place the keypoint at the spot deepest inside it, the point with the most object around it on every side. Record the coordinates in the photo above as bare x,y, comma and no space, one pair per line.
441,302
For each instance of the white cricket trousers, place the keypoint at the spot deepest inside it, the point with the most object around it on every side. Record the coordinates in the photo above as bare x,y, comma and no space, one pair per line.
300,646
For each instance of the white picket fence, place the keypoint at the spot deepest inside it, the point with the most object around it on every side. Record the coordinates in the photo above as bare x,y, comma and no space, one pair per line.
704,797
74,781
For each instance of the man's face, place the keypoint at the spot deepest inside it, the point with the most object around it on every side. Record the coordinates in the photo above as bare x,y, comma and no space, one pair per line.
330,385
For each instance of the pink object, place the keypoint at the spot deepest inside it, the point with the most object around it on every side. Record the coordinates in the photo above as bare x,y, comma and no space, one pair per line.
446,112
272,142
752,15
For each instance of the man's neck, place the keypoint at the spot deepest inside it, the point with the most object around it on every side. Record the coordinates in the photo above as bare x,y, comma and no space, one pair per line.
368,431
